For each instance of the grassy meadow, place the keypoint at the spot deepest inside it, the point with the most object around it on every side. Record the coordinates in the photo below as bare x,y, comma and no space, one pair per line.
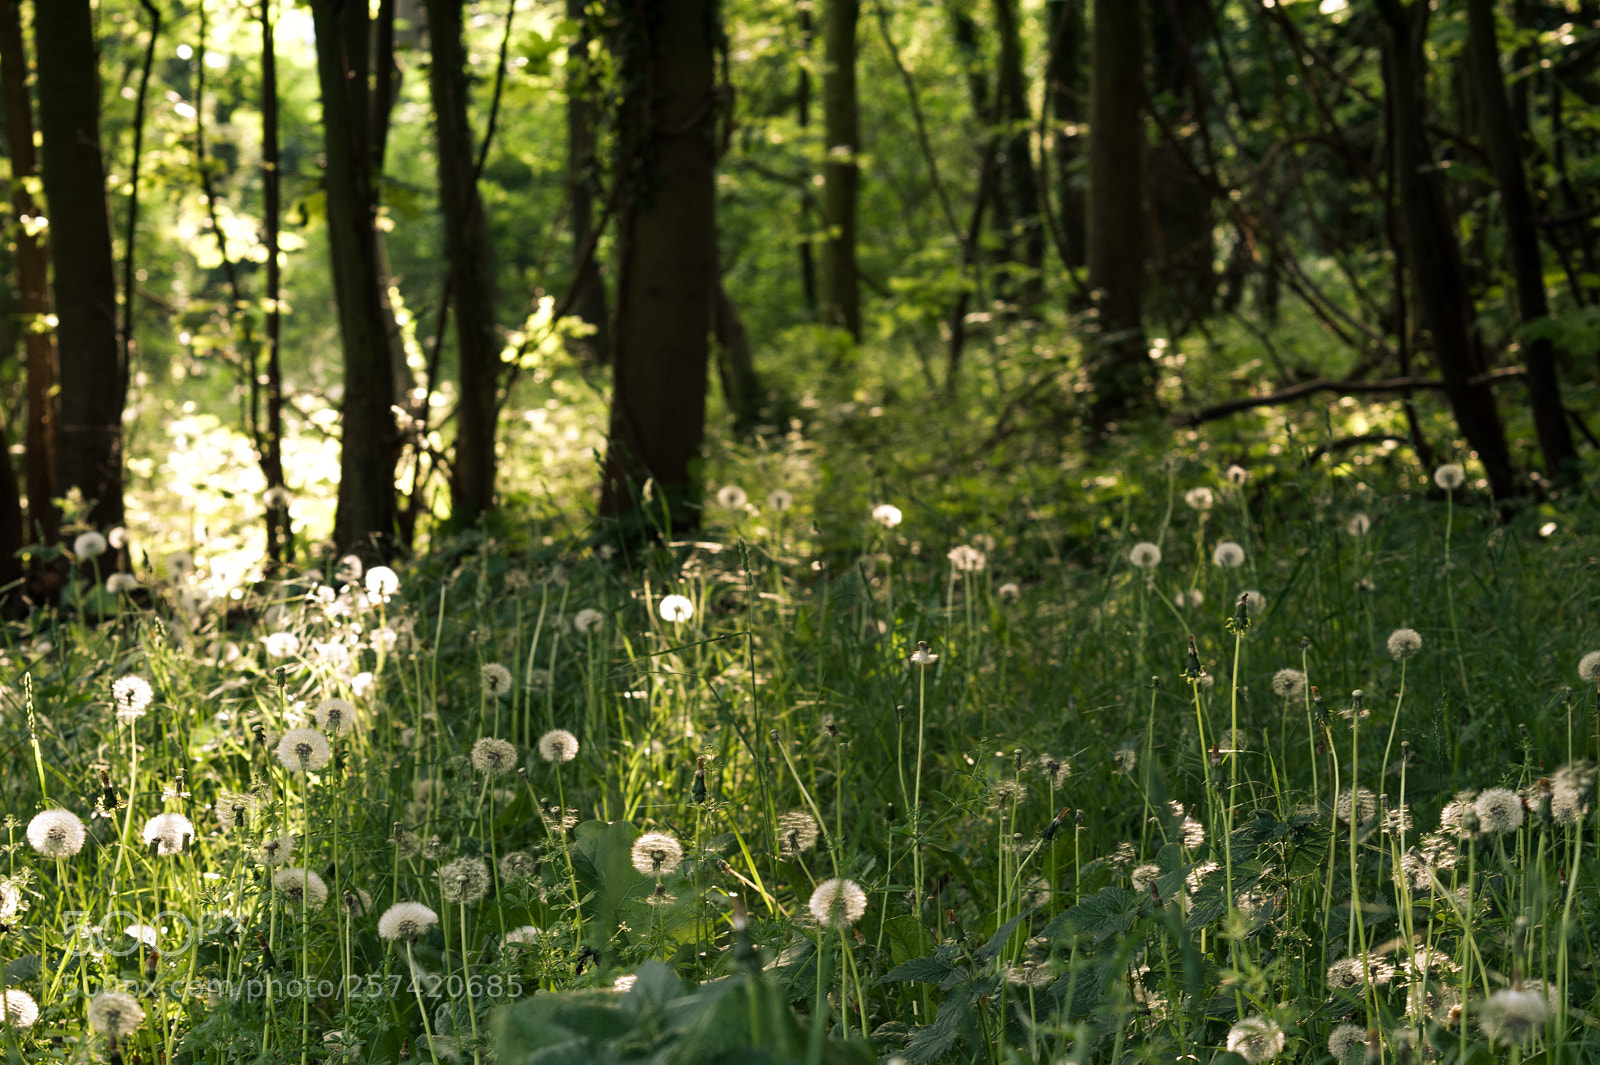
848,780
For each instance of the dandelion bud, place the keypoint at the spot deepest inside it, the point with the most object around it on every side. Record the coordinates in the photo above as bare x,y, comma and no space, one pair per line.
108,792
698,791
889,816
1241,615
1191,662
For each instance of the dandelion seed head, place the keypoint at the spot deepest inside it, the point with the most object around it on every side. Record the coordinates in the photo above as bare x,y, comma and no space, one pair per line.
517,865
406,920
56,833
1145,555
965,558
1403,643
275,850
1256,1039
1345,1041
1358,525
281,644
1237,475
20,1009
1056,770
588,620
732,497
780,500
465,881
675,608
170,832
337,716
923,655
1589,668
558,745
1512,1015
115,1014
1192,833
496,680
1144,876
1199,498
525,936
1499,811
1010,591
657,854
132,696
303,750
1364,802
1288,683
234,809
301,887
494,757
382,582
887,514
89,545
1449,476
1228,555
797,833
838,903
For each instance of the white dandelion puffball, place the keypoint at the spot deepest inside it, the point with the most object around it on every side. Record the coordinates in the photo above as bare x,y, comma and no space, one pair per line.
1237,475
21,1009
1254,601
496,680
797,833
56,833
275,850
276,498
301,887
780,500
303,750
1499,811
1288,683
121,583
382,582
1144,876
1512,1015
1228,555
464,881
1145,555
838,903
334,715
675,608
406,920
115,1014
887,514
588,620
657,854
1358,525
281,644
493,757
234,810
89,545
1589,668
558,745
525,936
1403,643
1256,1039
1449,476
518,865
132,696
349,570
1345,1040
1010,591
967,559
1199,498
732,497
923,655
169,832
117,537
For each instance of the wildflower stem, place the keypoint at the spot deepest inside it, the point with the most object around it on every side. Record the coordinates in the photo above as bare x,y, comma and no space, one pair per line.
416,989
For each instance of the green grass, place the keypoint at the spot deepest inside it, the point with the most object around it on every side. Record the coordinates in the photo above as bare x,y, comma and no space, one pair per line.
1067,852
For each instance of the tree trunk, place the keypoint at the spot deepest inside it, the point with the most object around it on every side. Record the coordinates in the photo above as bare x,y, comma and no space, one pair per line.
280,530
1021,185
741,385
841,297
589,300
1182,255
471,270
802,107
93,378
1066,100
365,519
1434,253
33,283
667,278
1522,237
1119,373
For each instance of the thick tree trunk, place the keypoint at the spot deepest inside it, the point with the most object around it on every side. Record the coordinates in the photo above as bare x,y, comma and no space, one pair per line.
1119,371
1182,255
1021,184
1066,101
589,299
1434,253
33,282
1499,136
365,520
470,265
841,174
93,378
667,279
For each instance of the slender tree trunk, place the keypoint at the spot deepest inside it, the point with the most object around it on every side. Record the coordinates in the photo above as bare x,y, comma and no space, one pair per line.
589,301
1522,237
841,297
365,520
1021,176
1434,253
280,540
1119,372
802,106
667,279
471,270
93,377
33,282
386,79
1066,100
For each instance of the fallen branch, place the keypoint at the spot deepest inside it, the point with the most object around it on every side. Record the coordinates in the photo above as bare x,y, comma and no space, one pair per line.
1311,388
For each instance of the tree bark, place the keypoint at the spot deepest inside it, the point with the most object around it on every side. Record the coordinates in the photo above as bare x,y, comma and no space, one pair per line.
841,174
365,519
1021,184
1066,100
802,108
667,278
589,299
280,531
93,377
1499,136
1434,253
1119,373
471,269
33,282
